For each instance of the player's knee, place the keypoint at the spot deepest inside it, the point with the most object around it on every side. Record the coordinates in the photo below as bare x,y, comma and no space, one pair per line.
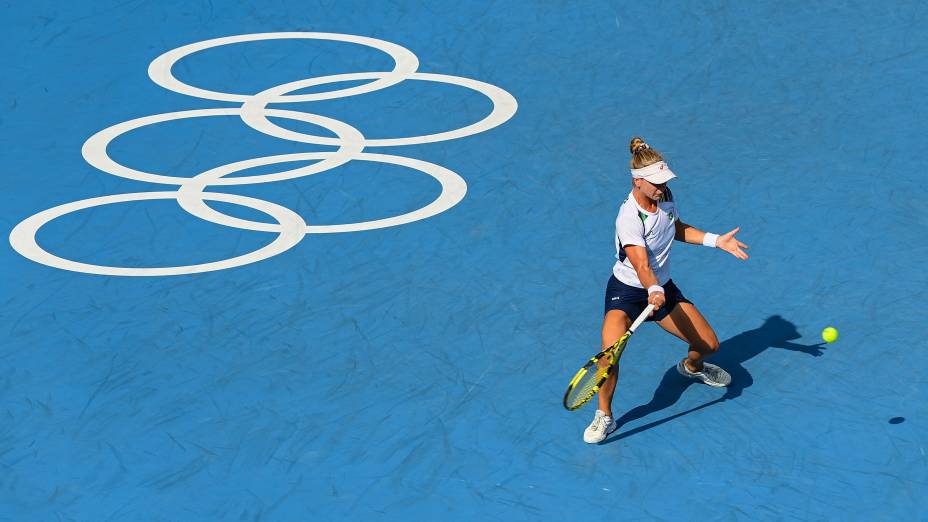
707,347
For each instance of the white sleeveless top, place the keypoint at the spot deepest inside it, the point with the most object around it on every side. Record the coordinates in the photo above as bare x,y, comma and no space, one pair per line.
652,230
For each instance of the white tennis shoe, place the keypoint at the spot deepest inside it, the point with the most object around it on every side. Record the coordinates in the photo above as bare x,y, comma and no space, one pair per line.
599,429
710,374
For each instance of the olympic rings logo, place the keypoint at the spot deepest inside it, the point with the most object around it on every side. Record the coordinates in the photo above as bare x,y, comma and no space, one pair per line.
290,228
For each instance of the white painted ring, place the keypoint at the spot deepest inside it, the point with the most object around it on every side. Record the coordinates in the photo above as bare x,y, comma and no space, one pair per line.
254,112
291,229
453,189
95,148
160,69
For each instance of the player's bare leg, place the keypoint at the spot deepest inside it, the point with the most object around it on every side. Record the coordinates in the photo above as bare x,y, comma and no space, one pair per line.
685,322
615,324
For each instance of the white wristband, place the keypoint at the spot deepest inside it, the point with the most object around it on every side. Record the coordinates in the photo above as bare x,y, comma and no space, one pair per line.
710,240
655,288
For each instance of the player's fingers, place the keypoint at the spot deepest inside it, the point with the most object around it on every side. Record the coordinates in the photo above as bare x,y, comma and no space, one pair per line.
657,300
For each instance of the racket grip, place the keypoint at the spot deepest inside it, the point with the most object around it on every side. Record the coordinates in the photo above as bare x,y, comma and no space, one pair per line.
644,315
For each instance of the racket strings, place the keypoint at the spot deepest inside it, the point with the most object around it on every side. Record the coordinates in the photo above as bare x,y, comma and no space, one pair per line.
586,382
586,386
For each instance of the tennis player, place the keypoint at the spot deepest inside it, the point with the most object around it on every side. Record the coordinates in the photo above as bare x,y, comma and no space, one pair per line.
647,224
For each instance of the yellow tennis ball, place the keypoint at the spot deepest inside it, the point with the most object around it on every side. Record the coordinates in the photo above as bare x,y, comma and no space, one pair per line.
830,335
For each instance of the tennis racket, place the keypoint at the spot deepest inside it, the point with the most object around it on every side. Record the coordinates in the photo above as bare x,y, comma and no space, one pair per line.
594,373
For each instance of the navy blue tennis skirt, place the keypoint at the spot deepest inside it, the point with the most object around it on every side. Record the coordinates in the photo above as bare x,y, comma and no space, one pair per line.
633,301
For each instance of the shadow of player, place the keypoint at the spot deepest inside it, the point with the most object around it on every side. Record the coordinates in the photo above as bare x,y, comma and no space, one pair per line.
776,332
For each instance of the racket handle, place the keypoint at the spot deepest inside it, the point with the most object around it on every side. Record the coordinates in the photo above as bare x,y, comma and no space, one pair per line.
644,315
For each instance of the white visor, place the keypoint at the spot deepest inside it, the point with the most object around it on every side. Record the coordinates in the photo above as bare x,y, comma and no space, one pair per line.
655,173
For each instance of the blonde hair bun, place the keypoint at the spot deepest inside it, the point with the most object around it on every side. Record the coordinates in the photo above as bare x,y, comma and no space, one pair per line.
642,153
638,144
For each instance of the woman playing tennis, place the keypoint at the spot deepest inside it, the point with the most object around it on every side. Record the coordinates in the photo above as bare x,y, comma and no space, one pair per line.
647,224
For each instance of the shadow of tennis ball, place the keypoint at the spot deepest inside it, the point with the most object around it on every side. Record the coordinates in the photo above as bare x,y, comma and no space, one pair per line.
897,420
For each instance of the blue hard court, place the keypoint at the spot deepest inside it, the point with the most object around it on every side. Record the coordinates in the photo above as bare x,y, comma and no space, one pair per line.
413,369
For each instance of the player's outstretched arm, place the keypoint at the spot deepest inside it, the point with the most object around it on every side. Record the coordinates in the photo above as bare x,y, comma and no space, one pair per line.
727,242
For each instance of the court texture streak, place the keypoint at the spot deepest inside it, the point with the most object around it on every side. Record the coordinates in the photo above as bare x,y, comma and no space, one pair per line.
292,261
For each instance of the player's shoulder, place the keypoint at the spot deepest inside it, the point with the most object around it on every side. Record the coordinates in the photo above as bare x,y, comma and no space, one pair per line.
628,208
628,204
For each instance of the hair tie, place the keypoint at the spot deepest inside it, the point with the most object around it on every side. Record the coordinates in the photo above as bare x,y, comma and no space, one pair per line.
640,147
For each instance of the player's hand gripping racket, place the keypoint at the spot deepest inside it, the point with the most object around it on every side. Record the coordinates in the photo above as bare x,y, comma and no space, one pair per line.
594,373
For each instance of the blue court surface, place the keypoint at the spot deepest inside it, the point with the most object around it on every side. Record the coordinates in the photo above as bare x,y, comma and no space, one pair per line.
328,260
